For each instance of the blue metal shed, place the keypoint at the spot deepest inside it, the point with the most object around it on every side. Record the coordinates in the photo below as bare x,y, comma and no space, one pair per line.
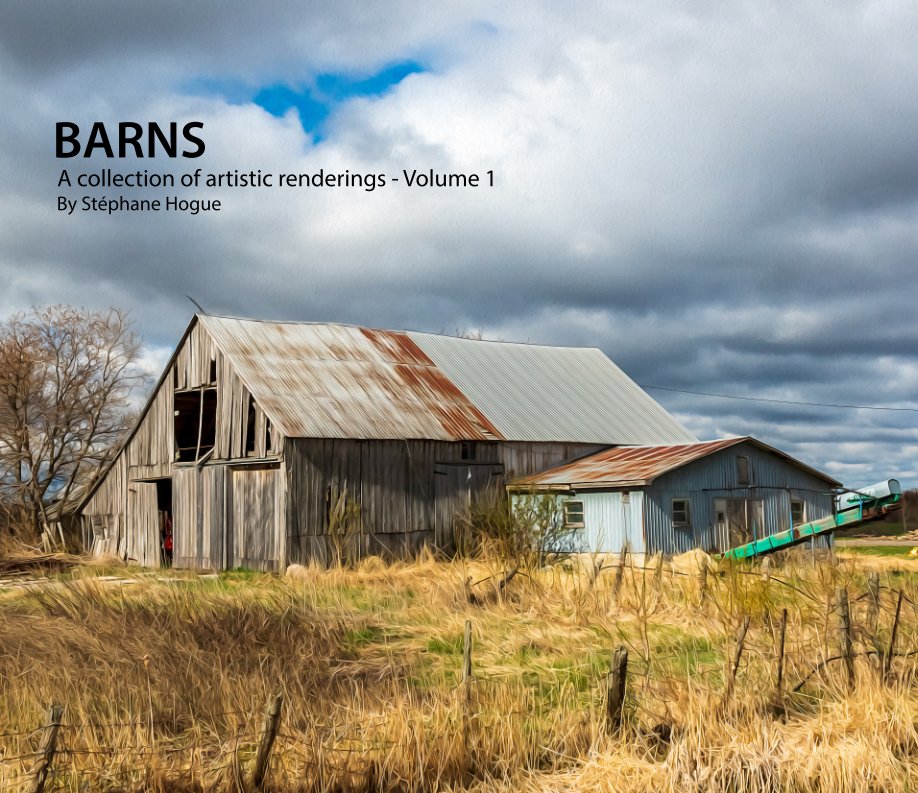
711,495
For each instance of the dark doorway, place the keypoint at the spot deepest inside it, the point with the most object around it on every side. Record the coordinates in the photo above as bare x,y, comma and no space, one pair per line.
164,511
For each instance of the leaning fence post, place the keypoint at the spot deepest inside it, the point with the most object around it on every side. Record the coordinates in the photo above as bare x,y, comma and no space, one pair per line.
737,656
780,682
268,734
844,633
615,690
887,660
48,747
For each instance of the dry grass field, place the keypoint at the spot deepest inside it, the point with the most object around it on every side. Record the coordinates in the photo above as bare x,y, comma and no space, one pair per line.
164,678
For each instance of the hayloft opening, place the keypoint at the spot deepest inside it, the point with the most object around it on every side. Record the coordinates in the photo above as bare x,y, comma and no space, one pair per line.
195,423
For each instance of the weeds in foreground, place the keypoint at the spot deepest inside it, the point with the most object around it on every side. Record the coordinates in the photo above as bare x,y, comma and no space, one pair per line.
164,680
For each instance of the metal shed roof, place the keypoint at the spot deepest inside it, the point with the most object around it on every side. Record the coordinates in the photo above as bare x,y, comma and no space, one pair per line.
626,466
342,381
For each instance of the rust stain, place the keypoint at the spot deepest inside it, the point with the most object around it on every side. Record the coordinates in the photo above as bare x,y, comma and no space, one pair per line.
626,465
435,391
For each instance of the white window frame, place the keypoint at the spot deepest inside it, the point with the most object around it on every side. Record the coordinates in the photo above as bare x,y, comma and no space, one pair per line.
568,523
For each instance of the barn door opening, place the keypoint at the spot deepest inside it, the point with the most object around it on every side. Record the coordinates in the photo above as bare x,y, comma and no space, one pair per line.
164,508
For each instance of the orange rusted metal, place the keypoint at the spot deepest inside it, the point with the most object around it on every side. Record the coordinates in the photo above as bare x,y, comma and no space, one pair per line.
623,466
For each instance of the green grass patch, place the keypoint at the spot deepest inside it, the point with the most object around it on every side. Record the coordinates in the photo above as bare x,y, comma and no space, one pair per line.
444,645
877,550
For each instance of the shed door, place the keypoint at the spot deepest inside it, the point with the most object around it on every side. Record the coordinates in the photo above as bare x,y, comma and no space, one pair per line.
255,519
143,530
739,520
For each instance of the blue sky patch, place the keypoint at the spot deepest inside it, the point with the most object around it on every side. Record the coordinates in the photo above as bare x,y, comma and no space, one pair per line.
316,101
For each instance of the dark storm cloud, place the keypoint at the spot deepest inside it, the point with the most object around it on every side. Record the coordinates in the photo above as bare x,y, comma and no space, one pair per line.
723,198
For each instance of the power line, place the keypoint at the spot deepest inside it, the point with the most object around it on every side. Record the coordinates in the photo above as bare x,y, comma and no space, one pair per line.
778,401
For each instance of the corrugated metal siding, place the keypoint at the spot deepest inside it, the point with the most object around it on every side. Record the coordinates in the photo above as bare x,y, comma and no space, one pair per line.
774,480
612,522
536,393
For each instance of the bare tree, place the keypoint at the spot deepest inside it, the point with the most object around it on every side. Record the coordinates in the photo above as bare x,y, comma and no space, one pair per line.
66,378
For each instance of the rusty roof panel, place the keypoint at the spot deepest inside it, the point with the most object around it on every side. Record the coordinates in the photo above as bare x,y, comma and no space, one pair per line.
629,466
337,381
341,381
625,465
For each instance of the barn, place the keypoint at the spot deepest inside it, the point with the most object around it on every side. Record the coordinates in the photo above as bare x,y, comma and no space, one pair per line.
267,443
671,498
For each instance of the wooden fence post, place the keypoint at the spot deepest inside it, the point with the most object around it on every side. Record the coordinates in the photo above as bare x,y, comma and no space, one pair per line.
615,690
873,602
737,656
268,734
844,634
48,747
887,659
702,580
780,681
658,573
467,653
620,571
766,569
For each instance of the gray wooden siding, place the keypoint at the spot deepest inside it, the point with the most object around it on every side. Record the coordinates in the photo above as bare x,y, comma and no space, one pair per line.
257,517
409,492
199,520
774,480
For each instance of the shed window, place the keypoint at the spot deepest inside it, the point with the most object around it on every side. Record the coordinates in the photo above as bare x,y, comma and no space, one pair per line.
573,515
742,471
467,450
682,513
797,512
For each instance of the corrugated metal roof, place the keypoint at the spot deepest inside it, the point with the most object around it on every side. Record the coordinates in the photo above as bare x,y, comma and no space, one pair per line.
628,466
538,393
341,381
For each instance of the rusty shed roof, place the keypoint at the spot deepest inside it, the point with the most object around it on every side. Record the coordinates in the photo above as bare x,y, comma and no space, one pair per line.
342,381
627,466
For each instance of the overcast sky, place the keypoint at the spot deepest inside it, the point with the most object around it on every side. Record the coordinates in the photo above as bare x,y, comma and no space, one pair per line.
723,197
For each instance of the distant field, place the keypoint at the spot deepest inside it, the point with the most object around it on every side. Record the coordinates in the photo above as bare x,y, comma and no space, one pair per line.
164,678
878,550
874,529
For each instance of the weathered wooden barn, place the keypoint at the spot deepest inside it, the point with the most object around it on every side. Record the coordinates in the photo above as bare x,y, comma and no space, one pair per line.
672,498
264,442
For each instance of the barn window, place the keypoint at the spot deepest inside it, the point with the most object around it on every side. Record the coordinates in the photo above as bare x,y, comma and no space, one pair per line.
797,512
742,471
466,450
195,423
251,419
573,515
682,513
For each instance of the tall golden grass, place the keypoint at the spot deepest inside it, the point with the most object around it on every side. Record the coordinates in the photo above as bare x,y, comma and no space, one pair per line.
164,679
